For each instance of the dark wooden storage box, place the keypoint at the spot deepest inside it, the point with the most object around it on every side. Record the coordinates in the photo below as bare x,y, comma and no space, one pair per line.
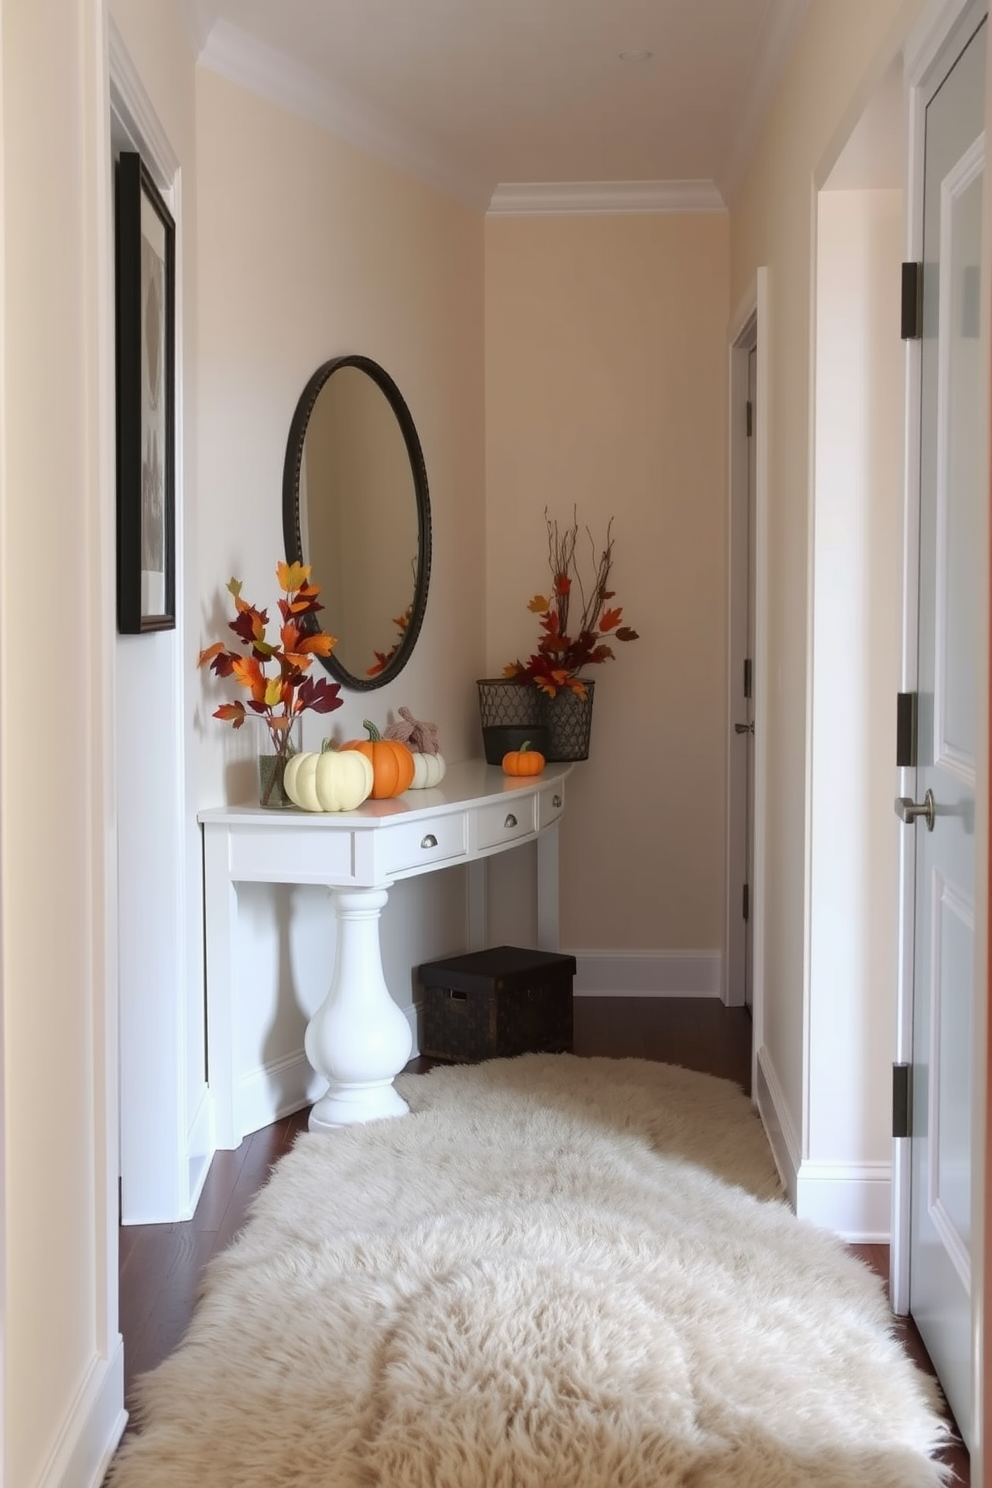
497,1003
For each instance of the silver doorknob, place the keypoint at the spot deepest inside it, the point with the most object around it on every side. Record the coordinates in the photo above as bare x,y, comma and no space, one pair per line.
908,810
743,728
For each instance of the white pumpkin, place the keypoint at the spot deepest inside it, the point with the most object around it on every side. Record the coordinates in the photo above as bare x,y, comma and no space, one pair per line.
428,770
328,781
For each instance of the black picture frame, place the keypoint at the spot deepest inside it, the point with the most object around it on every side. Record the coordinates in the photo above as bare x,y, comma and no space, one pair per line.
145,235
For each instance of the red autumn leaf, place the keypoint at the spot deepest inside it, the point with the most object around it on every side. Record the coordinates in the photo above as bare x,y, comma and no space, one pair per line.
322,696
563,584
610,619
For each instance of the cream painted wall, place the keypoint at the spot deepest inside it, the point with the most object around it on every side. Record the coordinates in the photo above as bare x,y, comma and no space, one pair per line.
844,48
310,249
856,641
63,1366
605,390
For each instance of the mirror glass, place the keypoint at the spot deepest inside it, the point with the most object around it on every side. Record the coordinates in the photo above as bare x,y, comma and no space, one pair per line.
356,508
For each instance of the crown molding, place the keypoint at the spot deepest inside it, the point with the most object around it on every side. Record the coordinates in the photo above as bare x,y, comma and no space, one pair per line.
233,54
198,21
132,106
785,19
543,199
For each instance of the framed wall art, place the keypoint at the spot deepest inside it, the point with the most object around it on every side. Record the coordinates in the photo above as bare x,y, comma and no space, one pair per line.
145,309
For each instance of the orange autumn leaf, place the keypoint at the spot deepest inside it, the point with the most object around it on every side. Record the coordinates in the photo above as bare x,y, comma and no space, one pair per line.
318,644
538,604
610,619
248,672
210,653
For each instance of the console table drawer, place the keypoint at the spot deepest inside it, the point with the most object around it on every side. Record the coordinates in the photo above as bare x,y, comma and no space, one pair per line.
550,805
422,844
505,821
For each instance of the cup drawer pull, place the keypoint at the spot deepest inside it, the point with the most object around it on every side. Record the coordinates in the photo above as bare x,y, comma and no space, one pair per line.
556,801
511,820
429,841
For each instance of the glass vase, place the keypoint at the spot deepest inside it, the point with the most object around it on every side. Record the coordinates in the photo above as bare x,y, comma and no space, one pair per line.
277,739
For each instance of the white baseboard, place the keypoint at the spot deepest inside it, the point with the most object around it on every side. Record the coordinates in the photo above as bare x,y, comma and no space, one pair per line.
275,1090
778,1124
648,973
852,1199
93,1428
272,1091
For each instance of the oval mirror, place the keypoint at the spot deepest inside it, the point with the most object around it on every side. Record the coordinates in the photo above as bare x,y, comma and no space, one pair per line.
355,507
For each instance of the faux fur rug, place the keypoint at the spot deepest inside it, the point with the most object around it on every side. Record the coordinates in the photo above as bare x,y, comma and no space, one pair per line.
557,1273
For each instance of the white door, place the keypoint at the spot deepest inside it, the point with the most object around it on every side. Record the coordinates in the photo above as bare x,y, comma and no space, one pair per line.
950,691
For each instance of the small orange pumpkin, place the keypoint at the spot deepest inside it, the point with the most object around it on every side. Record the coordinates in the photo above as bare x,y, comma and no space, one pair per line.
392,762
523,761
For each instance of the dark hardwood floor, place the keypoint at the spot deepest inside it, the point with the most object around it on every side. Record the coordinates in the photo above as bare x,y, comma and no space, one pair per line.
161,1265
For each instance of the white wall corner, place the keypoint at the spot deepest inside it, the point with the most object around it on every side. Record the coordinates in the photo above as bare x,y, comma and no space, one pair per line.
778,1124
852,1199
94,1426
648,973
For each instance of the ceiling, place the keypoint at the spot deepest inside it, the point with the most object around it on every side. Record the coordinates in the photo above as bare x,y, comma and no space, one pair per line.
499,102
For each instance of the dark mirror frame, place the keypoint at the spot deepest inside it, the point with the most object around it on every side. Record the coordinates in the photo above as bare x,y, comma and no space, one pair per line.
291,507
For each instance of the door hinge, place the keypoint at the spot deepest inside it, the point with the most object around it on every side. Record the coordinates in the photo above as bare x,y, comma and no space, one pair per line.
912,301
901,1125
750,417
906,728
746,902
747,677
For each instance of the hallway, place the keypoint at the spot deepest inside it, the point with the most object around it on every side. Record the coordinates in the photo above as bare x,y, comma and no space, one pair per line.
160,1265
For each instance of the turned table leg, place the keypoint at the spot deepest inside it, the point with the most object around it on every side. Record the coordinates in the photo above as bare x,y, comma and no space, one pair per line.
358,1039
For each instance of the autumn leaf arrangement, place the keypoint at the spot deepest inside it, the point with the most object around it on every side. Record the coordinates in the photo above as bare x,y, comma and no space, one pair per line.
577,620
274,672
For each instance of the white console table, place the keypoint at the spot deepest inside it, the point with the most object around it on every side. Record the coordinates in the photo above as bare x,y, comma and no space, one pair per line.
359,1039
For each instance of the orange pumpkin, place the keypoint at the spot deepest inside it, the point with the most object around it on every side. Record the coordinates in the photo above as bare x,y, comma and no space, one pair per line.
523,761
392,762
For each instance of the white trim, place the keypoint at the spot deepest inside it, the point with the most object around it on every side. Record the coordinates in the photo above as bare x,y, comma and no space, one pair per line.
130,101
197,20
743,336
271,1091
548,198
241,58
852,1199
92,1427
761,688
779,1126
648,973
